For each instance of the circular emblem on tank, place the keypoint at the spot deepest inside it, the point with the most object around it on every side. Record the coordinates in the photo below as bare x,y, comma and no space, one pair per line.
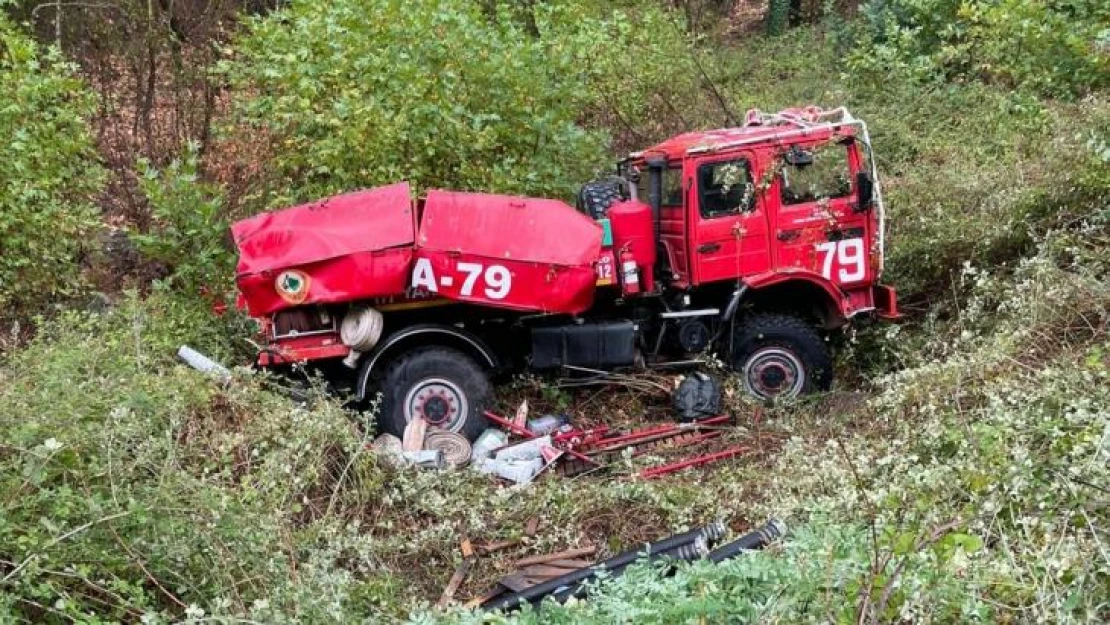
292,286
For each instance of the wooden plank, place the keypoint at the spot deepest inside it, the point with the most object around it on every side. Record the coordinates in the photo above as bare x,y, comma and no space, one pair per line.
570,564
546,571
455,581
532,525
496,591
515,582
559,555
488,548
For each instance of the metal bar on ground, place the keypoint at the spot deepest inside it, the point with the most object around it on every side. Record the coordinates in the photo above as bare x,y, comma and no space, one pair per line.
658,471
509,425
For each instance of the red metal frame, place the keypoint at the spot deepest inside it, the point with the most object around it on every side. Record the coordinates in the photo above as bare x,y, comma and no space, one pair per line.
654,472
301,349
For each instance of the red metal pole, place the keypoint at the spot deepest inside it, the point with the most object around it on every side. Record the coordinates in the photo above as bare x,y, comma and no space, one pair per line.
664,469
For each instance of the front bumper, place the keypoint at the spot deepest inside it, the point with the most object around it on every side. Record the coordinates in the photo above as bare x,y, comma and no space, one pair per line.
886,302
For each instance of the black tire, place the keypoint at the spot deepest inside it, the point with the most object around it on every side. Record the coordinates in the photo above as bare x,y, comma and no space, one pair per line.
446,383
596,197
780,357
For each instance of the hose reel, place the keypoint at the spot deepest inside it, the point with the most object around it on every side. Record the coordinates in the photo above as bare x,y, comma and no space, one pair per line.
361,329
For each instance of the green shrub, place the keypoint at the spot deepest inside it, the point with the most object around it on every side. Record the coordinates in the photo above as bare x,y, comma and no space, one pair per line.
1051,48
134,485
190,229
49,175
364,92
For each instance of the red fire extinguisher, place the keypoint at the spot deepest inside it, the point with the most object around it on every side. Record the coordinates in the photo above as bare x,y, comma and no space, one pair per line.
630,274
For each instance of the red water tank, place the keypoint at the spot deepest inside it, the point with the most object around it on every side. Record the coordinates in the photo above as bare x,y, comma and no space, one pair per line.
634,232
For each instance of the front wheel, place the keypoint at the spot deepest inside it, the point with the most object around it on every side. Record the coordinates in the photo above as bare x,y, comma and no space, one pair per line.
442,385
780,357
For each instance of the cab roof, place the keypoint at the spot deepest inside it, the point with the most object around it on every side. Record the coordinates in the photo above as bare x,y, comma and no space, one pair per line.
758,128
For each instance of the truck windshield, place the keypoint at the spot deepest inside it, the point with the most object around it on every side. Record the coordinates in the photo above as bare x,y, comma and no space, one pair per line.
827,176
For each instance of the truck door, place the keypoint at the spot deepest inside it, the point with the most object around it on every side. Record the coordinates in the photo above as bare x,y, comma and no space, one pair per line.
729,222
816,225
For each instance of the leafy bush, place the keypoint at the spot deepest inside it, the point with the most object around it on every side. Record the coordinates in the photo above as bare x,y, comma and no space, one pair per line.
135,486
439,93
190,230
48,176
1051,48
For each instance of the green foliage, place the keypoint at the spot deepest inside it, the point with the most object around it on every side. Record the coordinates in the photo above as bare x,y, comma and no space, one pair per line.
48,176
135,486
1051,48
439,93
190,231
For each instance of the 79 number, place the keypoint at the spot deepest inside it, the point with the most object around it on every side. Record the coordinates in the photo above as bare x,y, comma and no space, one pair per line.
849,256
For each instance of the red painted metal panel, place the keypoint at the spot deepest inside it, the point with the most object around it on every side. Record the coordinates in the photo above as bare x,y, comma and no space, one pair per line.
509,252
301,349
343,248
348,278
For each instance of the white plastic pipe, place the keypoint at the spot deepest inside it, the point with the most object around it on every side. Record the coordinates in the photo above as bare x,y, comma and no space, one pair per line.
202,363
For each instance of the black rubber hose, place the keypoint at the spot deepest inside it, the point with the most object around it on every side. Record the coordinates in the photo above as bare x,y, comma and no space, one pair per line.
690,551
571,582
755,540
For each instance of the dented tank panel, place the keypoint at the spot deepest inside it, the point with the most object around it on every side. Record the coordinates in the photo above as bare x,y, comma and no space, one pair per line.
344,248
510,252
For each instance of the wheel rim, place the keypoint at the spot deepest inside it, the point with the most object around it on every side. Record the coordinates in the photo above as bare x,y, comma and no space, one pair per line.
440,402
774,373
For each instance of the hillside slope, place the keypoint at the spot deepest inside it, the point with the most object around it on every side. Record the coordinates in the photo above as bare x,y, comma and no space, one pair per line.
957,472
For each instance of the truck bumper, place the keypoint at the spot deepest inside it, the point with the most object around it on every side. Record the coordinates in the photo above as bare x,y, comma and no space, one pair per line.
886,302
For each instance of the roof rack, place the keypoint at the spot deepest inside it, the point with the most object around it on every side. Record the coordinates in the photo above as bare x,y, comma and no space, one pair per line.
806,120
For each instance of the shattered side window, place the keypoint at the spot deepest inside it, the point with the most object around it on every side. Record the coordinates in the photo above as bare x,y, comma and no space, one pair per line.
672,186
725,188
816,174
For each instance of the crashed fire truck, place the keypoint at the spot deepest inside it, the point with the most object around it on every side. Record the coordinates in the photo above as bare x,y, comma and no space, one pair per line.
751,243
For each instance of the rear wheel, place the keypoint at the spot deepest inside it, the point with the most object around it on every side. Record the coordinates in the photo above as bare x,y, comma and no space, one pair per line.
780,357
442,385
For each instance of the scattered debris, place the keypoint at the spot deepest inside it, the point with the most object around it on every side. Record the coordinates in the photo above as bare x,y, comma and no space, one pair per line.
427,458
558,555
528,450
516,590
519,471
521,418
456,449
469,558
488,548
687,546
202,363
415,431
489,440
547,424
388,448
509,425
692,462
698,396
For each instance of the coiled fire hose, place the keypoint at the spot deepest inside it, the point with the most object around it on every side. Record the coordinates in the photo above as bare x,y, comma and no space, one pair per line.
360,330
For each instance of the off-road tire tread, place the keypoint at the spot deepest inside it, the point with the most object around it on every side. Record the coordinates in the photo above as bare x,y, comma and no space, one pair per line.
595,198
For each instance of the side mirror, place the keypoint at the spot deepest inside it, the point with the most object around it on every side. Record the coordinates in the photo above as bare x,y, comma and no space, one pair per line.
798,157
865,186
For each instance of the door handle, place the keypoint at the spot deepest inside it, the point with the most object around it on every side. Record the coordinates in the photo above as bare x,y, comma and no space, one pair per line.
709,248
